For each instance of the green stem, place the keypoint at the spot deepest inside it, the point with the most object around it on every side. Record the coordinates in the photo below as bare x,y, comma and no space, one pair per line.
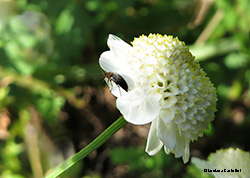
101,139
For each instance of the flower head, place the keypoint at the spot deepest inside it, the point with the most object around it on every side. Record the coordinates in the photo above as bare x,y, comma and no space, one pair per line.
224,160
166,86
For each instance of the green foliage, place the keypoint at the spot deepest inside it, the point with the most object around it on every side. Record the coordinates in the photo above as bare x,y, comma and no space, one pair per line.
158,165
194,172
236,61
4,98
49,105
27,41
50,79
209,131
136,159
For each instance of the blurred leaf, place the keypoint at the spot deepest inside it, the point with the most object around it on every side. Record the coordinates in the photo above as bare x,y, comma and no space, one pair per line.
210,130
137,159
9,155
64,22
92,176
93,5
4,98
49,105
236,60
194,172
230,19
212,49
7,9
132,156
223,90
235,90
27,41
8,174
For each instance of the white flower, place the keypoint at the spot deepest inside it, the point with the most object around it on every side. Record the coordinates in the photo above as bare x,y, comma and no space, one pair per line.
224,160
166,86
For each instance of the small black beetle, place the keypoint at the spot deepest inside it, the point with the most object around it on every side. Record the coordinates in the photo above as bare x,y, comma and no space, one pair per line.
112,76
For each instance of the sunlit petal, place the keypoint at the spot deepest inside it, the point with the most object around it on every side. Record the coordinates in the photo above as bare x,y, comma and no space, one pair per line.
167,133
154,144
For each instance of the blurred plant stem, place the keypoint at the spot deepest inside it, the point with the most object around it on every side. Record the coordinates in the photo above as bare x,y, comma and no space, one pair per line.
210,27
39,86
31,138
100,140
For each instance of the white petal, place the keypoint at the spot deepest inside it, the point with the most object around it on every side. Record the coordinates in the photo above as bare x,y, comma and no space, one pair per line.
123,107
108,62
170,101
135,97
186,155
167,133
151,109
167,150
116,59
180,147
137,107
154,144
167,115
117,45
137,115
141,114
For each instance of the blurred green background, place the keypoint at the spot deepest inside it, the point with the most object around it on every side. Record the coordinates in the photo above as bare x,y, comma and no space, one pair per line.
53,100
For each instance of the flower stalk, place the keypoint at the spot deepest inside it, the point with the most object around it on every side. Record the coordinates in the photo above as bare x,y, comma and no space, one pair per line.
100,140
